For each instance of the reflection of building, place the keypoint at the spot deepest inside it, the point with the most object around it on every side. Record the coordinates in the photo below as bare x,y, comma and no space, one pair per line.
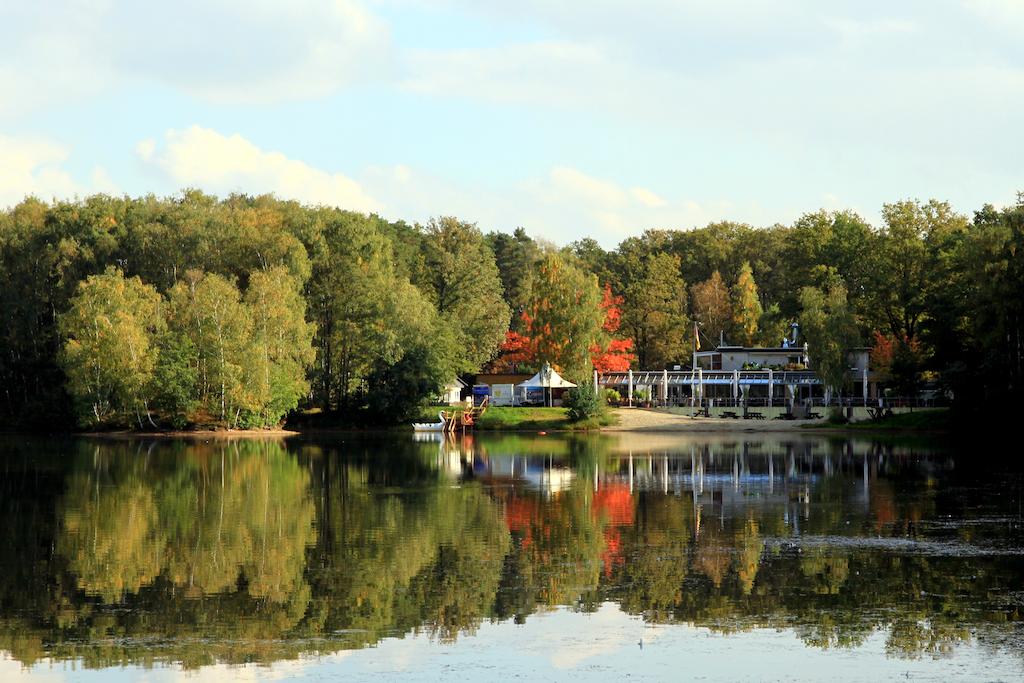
550,479
538,472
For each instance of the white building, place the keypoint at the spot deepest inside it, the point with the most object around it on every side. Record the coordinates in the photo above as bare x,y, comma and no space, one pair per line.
451,393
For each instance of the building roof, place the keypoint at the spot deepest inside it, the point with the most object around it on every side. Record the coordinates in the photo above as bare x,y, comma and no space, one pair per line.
757,349
491,378
687,377
548,378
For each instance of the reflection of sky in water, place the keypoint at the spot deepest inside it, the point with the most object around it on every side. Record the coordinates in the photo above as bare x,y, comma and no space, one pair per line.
604,645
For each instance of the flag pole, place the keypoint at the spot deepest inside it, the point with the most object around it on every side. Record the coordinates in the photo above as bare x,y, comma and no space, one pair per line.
693,367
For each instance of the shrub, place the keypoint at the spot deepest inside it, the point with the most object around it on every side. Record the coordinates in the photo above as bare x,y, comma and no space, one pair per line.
583,403
836,417
612,397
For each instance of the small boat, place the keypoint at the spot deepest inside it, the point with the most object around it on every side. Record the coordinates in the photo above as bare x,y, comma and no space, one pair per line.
431,426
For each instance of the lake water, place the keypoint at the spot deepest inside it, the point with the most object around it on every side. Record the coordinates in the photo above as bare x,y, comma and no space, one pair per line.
663,557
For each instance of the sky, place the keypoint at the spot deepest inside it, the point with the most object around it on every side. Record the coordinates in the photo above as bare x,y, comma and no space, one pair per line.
570,119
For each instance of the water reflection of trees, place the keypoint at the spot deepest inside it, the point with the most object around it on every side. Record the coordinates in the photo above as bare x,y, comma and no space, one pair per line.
253,552
391,560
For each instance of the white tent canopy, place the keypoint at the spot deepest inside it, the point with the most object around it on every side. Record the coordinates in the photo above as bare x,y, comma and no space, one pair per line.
547,378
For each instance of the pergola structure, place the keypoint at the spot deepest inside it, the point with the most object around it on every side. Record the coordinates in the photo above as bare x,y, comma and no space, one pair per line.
679,387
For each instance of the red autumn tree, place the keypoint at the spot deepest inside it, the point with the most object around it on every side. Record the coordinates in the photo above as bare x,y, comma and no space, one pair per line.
523,349
618,354
518,349
568,323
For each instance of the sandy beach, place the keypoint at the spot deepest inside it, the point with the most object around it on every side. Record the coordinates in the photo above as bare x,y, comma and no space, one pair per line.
647,420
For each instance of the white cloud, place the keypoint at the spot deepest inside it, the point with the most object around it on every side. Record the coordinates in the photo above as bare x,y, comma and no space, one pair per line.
573,204
576,185
647,198
33,167
561,205
212,161
236,51
1003,14
252,50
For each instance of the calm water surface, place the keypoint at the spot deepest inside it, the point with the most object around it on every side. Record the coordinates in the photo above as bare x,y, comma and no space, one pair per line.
502,557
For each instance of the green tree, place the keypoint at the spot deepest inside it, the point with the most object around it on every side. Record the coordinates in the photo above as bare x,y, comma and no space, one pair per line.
772,326
583,402
425,353
979,335
282,343
595,259
110,350
839,239
175,377
654,312
349,292
207,308
746,306
711,306
565,315
460,278
831,331
516,257
909,263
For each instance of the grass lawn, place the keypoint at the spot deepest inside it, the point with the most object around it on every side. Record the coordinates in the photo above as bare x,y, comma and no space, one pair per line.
926,419
528,420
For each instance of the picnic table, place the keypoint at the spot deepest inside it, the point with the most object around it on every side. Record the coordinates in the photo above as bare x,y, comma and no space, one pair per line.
703,412
813,416
785,416
753,415
879,413
730,413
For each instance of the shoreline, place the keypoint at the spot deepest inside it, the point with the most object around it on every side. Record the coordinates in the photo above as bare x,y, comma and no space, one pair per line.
627,420
225,434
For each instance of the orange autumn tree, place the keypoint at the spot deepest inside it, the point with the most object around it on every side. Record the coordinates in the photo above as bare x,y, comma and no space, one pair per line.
567,322
881,355
618,354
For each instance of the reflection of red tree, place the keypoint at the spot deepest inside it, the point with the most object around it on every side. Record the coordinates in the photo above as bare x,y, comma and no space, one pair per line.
612,555
520,514
615,504
883,506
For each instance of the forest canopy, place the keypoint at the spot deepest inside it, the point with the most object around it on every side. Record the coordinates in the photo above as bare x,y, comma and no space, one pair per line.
235,312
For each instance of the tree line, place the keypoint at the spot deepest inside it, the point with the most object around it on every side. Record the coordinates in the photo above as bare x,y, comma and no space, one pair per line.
237,311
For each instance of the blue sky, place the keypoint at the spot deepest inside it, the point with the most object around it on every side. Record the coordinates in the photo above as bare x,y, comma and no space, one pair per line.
570,119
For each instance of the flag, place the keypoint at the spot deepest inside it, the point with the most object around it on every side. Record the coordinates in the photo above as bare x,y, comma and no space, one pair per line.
696,338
